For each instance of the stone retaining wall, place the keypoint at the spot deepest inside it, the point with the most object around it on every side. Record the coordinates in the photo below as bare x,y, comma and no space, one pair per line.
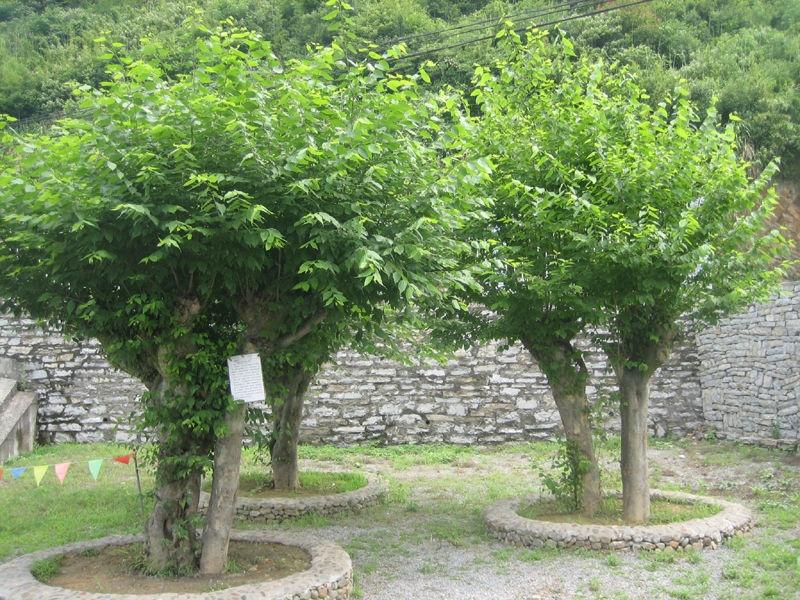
482,396
329,576
750,373
504,523
280,509
738,380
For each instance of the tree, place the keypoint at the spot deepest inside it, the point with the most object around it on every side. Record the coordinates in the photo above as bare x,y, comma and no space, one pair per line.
654,215
683,234
532,270
248,204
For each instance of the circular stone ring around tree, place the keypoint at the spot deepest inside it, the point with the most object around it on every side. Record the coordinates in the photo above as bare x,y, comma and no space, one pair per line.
504,523
329,576
280,509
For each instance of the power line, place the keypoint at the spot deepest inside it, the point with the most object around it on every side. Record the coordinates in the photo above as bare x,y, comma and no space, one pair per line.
49,118
490,22
519,30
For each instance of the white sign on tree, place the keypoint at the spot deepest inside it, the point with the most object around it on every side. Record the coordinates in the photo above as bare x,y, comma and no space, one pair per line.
247,381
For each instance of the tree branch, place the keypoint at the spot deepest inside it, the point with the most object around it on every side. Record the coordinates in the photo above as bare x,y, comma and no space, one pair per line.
302,331
290,338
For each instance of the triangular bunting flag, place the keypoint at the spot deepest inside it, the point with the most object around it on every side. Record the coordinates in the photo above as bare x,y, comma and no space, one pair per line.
38,473
123,459
94,467
18,472
61,471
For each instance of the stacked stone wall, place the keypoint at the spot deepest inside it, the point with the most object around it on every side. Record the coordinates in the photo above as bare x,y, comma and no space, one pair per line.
81,397
483,395
750,373
738,380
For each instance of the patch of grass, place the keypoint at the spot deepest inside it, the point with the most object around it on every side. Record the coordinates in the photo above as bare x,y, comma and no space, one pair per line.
528,555
538,451
312,483
428,569
503,554
724,454
44,570
456,531
661,511
691,584
358,591
612,560
669,486
693,556
369,567
537,554
765,568
233,566
399,492
668,442
400,457
783,513
309,520
655,560
51,514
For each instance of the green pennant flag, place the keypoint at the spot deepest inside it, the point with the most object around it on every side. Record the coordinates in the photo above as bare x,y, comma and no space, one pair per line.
94,467
38,473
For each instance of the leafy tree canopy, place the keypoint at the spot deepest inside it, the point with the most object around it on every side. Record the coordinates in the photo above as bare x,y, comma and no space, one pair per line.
743,52
178,219
615,210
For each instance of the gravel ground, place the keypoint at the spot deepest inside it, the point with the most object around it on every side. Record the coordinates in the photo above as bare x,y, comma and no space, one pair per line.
427,542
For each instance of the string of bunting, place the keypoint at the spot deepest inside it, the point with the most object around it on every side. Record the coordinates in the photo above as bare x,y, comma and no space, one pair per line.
61,469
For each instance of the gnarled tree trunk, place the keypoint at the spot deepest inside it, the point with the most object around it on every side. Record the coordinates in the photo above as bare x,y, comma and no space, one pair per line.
574,410
171,539
286,429
634,386
567,376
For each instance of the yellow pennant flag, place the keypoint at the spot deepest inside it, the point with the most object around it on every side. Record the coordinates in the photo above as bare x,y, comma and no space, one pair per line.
38,473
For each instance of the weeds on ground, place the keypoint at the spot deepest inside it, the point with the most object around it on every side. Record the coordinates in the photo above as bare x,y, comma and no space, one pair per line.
47,568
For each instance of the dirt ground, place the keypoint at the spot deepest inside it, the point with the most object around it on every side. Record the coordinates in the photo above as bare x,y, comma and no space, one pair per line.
114,568
428,540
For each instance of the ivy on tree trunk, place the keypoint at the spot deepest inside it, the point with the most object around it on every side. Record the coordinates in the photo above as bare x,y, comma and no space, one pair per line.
171,541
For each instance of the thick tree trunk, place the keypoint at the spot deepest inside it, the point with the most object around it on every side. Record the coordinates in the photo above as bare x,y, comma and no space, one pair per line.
225,485
635,394
171,538
574,411
286,430
567,376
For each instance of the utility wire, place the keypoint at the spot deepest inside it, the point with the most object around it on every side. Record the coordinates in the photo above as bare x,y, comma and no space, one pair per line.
519,30
489,22
49,118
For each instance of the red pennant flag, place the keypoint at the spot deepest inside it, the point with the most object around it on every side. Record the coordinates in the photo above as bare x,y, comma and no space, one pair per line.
61,471
123,459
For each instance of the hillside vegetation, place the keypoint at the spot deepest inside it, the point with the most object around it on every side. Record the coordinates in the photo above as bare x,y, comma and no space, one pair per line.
744,53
